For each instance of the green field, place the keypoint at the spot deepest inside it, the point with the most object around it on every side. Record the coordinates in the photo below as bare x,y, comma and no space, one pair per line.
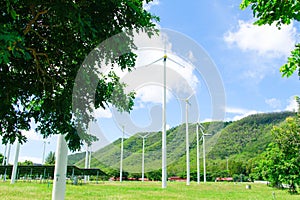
145,190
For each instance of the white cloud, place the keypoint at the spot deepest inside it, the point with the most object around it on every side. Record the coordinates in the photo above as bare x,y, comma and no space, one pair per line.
273,102
150,4
207,120
151,93
235,110
292,104
168,127
239,113
265,40
32,135
191,56
101,113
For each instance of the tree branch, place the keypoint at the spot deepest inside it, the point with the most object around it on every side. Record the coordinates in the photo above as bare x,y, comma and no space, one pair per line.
29,25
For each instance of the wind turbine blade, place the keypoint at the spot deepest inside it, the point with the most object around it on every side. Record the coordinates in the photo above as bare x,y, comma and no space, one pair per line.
162,58
176,62
201,127
187,101
190,96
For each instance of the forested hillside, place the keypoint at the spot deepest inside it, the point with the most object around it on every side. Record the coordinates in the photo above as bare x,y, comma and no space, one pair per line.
74,158
231,144
249,135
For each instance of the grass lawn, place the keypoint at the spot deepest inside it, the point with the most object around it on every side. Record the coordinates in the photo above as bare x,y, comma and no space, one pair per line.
145,190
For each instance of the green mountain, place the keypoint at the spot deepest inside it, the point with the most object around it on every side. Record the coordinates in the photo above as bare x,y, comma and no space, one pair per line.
231,143
248,136
74,158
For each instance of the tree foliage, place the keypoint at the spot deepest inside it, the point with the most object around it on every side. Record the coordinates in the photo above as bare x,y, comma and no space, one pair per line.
250,134
279,12
1,158
26,163
50,159
43,44
281,162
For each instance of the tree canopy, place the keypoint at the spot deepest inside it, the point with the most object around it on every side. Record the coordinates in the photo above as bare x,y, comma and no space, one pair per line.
281,161
50,159
280,164
279,12
43,44
26,163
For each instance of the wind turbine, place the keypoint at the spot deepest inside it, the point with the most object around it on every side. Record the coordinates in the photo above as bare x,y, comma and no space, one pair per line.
44,150
122,152
204,160
143,154
164,135
187,144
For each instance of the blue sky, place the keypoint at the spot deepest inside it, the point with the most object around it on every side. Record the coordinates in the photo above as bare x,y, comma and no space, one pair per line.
247,58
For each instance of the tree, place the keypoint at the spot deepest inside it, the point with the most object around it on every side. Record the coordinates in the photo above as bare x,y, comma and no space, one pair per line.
50,159
154,175
43,44
1,158
279,12
282,159
26,163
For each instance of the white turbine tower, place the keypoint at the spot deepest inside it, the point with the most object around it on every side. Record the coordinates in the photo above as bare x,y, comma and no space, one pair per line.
4,156
87,156
187,143
60,170
15,166
121,157
86,162
204,153
164,128
143,154
8,155
198,153
44,150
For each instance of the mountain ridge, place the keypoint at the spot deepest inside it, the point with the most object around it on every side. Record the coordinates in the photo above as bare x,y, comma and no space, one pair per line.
238,141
